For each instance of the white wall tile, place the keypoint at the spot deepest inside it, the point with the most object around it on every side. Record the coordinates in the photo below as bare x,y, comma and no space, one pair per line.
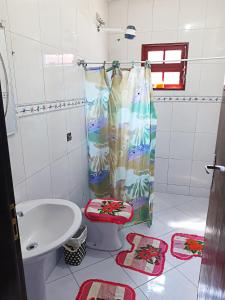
178,189
75,119
28,66
192,14
4,12
134,46
69,25
75,169
60,178
215,16
204,147
71,84
57,134
165,14
193,76
16,158
199,177
214,43
165,36
20,192
160,187
139,14
39,185
53,73
208,117
162,144
161,169
212,79
76,196
24,17
179,172
164,115
195,40
118,47
50,22
118,14
35,143
184,117
199,192
181,145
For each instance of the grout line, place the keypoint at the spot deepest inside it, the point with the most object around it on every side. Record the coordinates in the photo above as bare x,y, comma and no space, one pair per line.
92,264
186,276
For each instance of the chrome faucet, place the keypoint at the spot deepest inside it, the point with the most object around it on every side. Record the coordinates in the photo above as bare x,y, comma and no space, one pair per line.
19,214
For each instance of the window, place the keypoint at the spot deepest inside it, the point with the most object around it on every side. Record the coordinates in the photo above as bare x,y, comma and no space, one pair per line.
171,74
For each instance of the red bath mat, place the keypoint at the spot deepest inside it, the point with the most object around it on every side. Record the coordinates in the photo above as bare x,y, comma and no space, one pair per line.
185,246
109,210
147,254
94,289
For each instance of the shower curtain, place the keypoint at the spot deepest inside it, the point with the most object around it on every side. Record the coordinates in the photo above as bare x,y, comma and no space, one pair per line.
121,122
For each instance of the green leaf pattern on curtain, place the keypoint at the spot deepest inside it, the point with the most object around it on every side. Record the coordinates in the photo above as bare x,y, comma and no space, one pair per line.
121,121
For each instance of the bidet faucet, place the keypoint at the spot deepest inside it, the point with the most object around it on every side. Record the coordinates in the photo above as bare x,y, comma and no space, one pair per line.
19,214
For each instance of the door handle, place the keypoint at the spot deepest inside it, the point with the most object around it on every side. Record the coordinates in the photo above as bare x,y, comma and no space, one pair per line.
214,167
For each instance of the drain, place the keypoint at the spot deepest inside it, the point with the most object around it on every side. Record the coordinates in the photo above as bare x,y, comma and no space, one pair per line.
32,246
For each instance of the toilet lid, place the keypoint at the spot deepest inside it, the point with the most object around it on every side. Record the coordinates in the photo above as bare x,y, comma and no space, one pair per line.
109,210
99,289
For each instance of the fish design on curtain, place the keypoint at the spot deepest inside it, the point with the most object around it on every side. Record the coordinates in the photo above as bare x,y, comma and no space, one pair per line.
121,122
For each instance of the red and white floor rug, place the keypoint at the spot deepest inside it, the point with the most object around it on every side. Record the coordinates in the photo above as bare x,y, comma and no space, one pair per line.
94,289
147,254
185,246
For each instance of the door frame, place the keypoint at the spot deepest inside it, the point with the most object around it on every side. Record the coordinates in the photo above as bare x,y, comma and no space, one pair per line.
12,274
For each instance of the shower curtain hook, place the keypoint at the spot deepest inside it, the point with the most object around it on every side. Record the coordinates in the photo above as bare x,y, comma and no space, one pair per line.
115,64
147,64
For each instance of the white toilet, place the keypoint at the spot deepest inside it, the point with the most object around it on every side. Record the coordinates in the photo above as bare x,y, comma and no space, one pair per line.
104,235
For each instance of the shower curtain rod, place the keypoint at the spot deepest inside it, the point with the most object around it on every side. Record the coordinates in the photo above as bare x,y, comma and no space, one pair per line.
82,62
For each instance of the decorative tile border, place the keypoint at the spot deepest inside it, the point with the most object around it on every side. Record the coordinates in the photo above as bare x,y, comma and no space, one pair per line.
32,109
38,108
201,99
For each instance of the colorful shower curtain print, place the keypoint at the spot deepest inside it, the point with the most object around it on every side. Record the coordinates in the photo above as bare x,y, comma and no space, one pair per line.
122,122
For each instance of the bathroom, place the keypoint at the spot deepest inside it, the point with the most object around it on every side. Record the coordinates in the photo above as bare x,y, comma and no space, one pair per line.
47,99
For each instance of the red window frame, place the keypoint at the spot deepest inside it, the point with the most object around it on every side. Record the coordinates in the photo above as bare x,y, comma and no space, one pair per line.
180,67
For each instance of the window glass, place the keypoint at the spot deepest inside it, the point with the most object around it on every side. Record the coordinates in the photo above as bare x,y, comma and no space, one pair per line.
156,77
155,56
171,77
174,55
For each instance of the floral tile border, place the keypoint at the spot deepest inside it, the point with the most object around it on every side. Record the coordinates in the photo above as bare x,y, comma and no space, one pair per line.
38,108
23,110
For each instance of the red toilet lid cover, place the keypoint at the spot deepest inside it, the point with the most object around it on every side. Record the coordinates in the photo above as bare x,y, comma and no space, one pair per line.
109,210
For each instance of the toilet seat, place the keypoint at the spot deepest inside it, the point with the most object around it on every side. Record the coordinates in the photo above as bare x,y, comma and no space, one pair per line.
109,210
103,218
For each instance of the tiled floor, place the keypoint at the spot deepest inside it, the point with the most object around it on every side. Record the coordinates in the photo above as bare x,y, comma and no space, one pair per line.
172,213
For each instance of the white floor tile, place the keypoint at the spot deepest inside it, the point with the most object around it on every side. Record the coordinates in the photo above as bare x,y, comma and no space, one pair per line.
61,270
106,270
194,208
159,204
140,295
191,269
173,199
64,288
158,228
170,286
179,221
123,233
92,257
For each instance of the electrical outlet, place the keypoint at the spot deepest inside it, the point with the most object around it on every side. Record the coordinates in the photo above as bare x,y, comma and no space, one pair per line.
69,136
